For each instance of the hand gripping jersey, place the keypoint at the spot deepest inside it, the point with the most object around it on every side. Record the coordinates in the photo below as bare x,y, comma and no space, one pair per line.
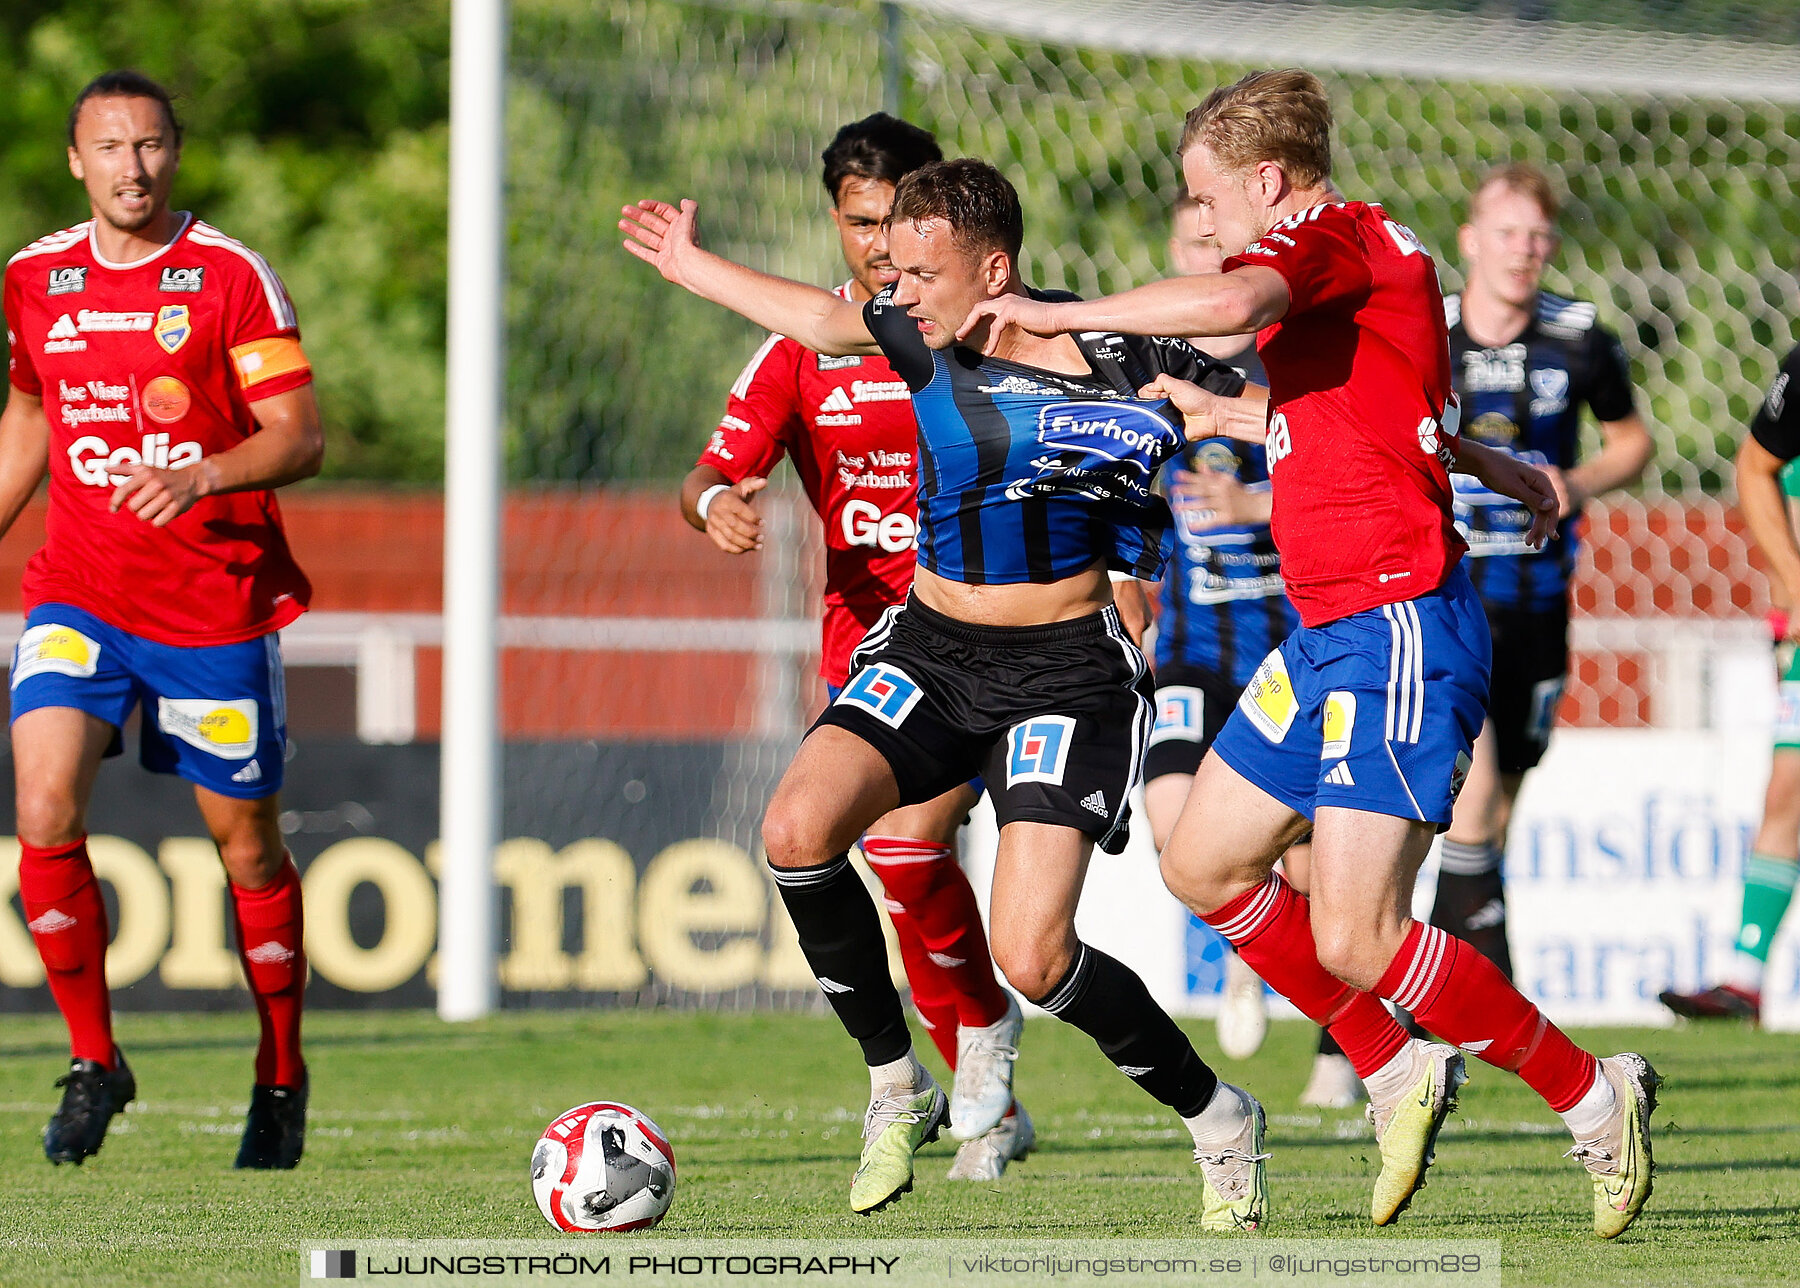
1223,602
847,424
1526,398
1358,442
1030,475
155,362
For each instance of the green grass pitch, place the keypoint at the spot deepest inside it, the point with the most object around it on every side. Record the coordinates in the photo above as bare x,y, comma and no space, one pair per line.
423,1130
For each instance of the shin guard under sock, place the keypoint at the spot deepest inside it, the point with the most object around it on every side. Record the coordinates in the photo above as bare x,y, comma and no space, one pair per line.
1271,928
840,934
1462,997
271,934
67,920
1103,998
925,879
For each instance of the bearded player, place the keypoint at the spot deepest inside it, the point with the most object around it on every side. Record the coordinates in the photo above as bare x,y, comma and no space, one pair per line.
847,423
157,376
1361,723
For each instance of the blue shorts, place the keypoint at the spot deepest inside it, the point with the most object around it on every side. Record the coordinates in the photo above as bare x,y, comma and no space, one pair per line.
1377,711
216,715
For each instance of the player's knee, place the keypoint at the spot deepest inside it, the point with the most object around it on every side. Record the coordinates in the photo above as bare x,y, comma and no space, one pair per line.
47,817
792,839
250,861
1033,968
1193,883
1347,952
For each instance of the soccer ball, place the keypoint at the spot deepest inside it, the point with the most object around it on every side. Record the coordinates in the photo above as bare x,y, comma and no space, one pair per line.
603,1166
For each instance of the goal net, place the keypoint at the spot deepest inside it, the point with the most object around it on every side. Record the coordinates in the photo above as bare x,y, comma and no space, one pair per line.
654,688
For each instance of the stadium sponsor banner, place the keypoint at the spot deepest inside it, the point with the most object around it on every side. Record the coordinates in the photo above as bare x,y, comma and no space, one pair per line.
623,880
1624,869
616,886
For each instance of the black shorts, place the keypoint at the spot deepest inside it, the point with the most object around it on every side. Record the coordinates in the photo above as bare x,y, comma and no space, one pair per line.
1531,664
1054,718
1192,705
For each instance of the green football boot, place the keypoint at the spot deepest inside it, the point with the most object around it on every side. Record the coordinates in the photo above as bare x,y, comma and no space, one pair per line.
1236,1194
1619,1157
893,1130
1407,1129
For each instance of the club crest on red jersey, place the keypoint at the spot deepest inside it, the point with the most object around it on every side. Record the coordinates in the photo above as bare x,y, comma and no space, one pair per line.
173,327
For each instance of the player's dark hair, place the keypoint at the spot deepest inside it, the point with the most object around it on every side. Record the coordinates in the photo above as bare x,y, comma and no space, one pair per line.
124,83
975,199
879,147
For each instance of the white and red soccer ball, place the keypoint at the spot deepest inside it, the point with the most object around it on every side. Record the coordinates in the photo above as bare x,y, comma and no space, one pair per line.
603,1166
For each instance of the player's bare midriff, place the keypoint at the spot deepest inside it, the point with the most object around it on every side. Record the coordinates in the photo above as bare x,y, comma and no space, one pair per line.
1030,604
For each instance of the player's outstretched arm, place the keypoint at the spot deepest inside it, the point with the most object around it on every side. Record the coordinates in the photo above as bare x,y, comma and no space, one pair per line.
1210,415
289,445
24,453
1765,509
1235,303
667,238
1506,474
729,519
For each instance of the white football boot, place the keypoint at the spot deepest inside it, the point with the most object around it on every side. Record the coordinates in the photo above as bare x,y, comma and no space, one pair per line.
982,1091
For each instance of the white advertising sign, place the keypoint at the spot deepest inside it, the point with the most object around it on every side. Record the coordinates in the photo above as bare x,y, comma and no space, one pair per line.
1623,871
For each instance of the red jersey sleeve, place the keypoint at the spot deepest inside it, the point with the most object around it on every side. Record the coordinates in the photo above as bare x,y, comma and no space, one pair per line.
1320,259
19,367
762,416
262,333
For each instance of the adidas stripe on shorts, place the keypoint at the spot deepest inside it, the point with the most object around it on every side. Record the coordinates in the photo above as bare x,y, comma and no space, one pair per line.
1376,711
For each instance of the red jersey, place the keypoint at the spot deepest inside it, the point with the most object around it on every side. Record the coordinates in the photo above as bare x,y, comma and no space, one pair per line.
155,362
1359,379
848,425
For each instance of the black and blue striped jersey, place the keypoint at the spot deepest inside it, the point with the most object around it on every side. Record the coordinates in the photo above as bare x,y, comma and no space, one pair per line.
1224,607
1029,475
1525,398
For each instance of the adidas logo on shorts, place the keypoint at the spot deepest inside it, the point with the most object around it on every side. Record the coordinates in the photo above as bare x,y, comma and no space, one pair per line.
248,774
1340,774
832,986
1096,801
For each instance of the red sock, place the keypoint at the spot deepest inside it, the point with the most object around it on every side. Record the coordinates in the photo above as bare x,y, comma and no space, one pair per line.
1463,998
925,879
270,927
1271,928
67,920
932,996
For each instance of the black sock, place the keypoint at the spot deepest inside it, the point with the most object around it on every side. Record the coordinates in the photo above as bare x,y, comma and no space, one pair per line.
840,933
1103,998
1327,1044
1471,901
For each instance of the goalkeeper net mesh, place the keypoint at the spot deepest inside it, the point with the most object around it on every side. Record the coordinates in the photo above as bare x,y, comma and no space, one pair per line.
1677,148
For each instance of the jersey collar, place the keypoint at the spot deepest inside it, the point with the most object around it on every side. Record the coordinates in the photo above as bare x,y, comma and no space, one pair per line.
187,222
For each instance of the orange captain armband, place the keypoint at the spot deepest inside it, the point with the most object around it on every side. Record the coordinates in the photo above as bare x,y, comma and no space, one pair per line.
261,361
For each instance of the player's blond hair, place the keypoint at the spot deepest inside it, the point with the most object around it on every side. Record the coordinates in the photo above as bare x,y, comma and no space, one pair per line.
1281,116
1523,178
